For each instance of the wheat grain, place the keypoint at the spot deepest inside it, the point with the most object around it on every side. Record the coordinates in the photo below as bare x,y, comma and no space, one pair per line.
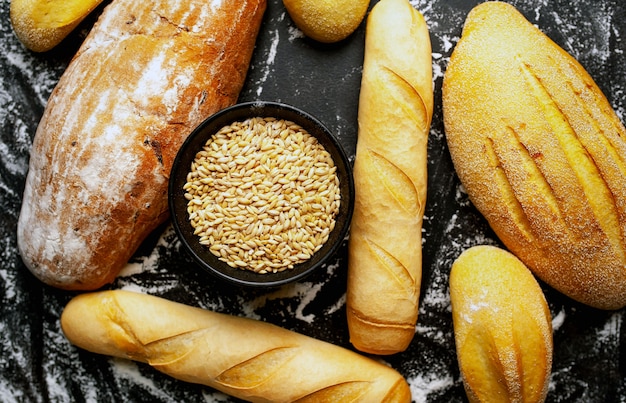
263,195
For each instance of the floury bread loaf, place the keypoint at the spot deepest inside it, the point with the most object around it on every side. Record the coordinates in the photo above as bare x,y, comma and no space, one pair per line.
145,76
540,152
385,246
502,327
248,359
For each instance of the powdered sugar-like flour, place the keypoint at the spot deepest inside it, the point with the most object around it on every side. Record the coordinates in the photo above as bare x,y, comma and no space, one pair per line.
38,364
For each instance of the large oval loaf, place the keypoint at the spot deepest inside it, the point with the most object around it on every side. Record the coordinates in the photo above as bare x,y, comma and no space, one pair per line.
540,152
502,327
146,75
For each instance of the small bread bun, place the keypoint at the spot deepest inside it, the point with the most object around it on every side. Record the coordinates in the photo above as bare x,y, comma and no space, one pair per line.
42,24
502,327
540,152
327,21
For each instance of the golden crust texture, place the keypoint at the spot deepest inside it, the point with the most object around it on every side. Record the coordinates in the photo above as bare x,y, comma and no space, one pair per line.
146,75
248,359
42,24
327,21
540,152
502,327
395,110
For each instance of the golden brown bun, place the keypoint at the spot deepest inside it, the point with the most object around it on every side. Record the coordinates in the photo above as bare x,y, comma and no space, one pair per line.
327,21
502,327
385,247
145,77
540,152
245,358
42,24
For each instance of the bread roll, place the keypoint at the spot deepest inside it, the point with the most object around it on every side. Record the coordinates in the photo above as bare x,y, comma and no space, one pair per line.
327,21
540,152
42,24
248,359
502,327
385,246
145,77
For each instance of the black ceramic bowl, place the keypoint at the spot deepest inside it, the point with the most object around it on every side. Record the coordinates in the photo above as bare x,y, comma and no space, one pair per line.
178,203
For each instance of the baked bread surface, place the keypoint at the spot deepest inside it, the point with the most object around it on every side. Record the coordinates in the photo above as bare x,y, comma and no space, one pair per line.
147,74
40,25
540,152
502,327
249,359
390,174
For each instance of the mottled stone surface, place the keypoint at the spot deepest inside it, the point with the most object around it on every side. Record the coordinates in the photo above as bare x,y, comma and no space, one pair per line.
37,364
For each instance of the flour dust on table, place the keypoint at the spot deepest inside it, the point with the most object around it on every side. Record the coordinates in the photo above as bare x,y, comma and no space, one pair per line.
40,365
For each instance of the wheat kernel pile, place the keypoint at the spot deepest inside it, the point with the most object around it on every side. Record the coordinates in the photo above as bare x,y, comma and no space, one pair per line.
263,195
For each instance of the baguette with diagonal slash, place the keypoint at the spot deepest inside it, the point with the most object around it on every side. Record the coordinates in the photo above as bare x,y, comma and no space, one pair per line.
390,175
248,359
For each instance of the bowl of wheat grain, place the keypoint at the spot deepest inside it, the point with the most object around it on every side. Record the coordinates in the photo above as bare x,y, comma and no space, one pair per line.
261,194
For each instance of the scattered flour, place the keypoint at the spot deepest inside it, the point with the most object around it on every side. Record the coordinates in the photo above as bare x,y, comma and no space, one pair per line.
267,68
41,77
423,386
302,291
129,370
558,320
295,33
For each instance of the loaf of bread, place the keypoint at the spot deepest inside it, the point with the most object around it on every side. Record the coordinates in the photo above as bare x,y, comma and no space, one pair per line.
42,24
144,78
245,358
390,175
540,152
502,327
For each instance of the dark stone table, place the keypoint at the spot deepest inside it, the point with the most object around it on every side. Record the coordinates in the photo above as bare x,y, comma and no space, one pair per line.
37,364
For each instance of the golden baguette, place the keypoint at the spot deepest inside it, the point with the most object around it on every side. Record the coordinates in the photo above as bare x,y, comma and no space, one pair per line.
502,327
540,152
245,358
147,74
385,246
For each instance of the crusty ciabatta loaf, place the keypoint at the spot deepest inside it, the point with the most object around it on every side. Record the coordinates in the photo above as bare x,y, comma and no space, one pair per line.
146,75
502,327
245,358
385,247
540,152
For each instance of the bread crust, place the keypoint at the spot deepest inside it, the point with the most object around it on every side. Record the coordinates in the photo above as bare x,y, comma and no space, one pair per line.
502,327
248,359
540,152
145,76
37,30
390,174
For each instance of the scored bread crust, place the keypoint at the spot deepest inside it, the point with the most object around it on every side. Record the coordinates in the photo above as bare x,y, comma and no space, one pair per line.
146,75
502,327
245,358
390,175
540,152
